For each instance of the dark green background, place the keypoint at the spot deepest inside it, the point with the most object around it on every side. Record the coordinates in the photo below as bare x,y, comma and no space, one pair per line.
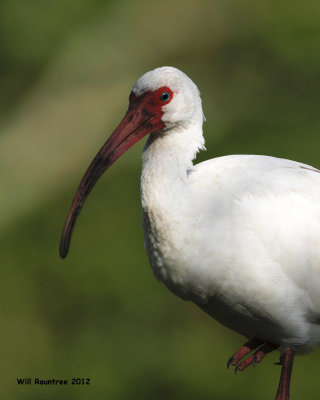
66,70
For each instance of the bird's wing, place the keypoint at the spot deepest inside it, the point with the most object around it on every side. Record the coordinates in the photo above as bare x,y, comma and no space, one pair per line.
264,212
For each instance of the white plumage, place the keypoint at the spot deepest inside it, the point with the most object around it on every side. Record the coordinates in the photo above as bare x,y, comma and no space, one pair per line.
243,238
238,235
241,231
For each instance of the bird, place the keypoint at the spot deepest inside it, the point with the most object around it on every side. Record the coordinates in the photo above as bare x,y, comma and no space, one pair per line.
237,235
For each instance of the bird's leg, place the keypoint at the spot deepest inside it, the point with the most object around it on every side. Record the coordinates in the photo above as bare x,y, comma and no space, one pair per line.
245,349
261,349
256,357
286,360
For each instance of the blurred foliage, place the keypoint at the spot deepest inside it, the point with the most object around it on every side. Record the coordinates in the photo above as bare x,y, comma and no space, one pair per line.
66,69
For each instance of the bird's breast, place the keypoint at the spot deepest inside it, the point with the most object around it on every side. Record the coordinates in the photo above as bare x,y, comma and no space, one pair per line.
164,249
186,258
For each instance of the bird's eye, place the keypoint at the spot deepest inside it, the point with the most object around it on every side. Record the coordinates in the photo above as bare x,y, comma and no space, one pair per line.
165,96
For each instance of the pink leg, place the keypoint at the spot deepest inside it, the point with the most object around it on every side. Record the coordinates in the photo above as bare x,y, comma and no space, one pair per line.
245,349
261,349
286,360
256,357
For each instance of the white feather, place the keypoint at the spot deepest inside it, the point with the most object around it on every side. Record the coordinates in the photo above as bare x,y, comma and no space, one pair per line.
238,235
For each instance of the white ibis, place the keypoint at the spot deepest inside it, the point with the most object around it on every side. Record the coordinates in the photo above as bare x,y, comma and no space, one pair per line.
237,235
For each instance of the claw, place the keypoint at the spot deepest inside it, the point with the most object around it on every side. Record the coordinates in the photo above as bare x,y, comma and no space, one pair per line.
230,362
255,360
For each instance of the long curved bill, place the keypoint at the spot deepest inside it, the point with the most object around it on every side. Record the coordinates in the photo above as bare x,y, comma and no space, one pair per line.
135,125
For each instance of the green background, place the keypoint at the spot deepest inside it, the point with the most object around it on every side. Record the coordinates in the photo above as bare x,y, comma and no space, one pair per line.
66,70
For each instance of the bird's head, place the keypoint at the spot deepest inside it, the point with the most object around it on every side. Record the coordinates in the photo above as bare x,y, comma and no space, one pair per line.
161,99
169,95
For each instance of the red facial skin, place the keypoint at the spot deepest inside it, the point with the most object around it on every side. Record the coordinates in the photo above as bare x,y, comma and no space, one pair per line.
144,116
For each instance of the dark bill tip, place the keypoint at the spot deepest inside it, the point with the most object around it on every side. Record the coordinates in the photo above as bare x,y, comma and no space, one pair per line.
134,126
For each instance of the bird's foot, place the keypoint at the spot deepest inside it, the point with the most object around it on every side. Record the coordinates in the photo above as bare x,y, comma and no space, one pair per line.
261,349
245,349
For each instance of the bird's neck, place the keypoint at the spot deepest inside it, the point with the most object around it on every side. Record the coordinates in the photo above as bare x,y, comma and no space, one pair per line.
167,159
166,198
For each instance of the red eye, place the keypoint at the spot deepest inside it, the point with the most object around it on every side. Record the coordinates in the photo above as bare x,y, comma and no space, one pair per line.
165,96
